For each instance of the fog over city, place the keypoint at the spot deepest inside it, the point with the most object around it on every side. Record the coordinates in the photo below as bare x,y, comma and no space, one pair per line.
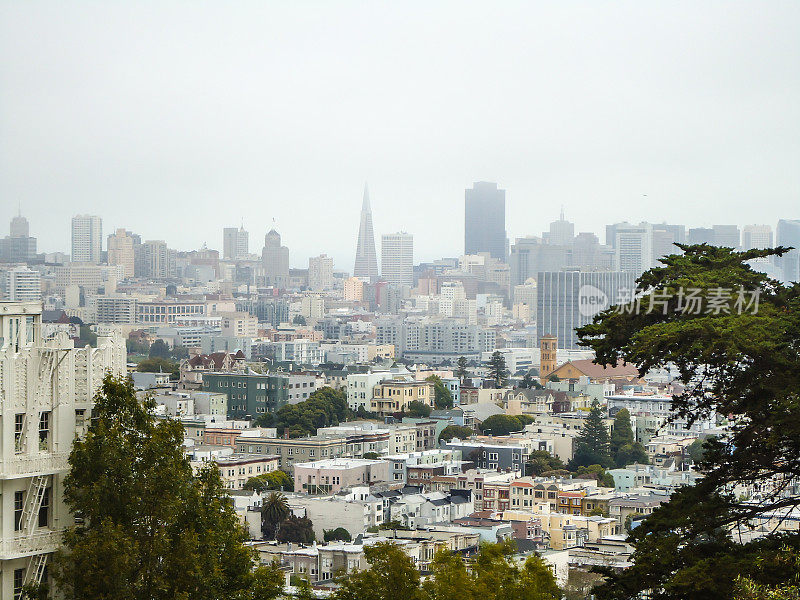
174,119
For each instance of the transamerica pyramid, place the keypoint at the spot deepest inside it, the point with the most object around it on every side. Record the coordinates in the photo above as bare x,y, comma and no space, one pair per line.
366,259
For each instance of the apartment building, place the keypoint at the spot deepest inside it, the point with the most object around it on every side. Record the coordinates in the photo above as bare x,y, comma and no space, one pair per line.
116,309
361,386
394,395
333,475
23,285
168,311
48,387
236,469
250,395
321,446
88,276
418,468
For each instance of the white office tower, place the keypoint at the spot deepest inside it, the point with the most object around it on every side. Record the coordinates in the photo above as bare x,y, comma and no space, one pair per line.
235,243
397,258
46,393
87,238
634,248
756,236
23,285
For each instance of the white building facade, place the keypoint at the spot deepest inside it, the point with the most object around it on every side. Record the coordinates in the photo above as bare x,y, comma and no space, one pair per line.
47,389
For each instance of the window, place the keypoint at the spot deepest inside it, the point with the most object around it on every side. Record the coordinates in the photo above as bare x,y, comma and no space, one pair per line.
19,505
44,509
19,425
44,430
19,580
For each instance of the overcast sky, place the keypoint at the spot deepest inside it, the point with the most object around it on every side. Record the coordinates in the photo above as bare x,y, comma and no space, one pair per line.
175,119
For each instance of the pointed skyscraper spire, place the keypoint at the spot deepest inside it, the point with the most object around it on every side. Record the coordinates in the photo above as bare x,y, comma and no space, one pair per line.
365,203
366,258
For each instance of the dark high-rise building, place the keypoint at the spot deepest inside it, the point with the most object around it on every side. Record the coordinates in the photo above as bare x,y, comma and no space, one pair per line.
366,257
787,235
569,299
485,220
701,235
275,258
18,246
530,255
728,236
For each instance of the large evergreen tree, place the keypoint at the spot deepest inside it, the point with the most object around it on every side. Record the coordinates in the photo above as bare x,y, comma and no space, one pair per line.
149,528
622,433
592,445
461,370
736,358
625,450
498,372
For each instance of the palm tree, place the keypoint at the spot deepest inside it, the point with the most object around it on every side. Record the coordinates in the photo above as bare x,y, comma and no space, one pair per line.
274,511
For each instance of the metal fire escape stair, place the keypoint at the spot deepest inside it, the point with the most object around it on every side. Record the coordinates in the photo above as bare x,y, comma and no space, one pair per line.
35,571
33,502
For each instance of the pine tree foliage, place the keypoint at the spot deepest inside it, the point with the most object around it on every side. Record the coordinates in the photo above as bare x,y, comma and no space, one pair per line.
498,372
737,358
592,445
149,528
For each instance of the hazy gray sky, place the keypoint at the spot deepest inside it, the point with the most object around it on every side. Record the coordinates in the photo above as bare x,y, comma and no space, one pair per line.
174,119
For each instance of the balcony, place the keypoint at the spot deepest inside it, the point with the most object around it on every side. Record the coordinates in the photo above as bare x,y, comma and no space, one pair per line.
24,465
40,542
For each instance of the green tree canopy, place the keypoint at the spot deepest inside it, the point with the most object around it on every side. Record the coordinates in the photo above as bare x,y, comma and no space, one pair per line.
461,368
159,349
274,480
150,528
501,424
338,534
494,576
324,407
455,431
698,312
596,472
623,447
443,397
298,530
630,454
391,575
274,511
592,445
530,381
622,433
541,461
498,372
418,409
159,365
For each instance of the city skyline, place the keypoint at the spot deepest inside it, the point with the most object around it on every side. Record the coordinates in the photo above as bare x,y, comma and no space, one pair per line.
617,125
716,234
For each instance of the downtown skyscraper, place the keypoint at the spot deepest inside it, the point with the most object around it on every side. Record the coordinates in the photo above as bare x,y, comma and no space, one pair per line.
485,220
87,239
366,257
